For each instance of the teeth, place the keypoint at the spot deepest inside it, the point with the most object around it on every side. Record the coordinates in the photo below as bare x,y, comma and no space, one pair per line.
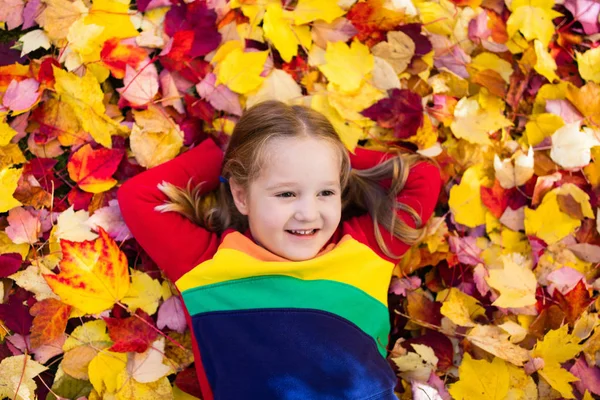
305,232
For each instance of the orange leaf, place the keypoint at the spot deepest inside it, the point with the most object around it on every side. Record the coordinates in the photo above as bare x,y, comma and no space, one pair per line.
492,81
116,56
371,20
17,72
587,101
575,302
92,169
50,321
93,276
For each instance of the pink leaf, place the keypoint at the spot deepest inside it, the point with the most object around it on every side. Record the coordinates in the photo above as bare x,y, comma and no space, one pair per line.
11,12
466,249
24,227
140,86
400,286
109,218
564,280
564,109
21,96
170,94
170,314
586,12
589,377
339,30
479,275
220,97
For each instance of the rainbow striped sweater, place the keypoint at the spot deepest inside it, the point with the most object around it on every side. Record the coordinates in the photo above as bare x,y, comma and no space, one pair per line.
264,327
268,328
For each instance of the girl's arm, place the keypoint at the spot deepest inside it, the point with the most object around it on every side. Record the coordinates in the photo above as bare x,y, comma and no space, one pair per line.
175,243
420,192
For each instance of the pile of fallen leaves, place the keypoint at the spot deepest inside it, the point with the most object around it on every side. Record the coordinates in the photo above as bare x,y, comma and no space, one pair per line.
499,301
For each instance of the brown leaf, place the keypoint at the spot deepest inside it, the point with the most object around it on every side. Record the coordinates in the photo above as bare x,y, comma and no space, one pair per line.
570,206
49,322
422,309
492,81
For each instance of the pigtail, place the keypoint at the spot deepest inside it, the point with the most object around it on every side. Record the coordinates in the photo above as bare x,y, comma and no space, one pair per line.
214,211
364,190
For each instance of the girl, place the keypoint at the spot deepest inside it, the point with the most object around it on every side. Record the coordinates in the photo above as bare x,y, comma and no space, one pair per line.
284,270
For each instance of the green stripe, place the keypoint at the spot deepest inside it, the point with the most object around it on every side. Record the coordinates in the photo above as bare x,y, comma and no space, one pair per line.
279,291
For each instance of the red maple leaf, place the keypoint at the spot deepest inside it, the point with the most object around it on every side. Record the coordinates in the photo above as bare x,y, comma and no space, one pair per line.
134,333
402,111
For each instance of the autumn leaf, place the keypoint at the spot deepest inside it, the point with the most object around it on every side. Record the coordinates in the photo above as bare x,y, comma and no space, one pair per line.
515,282
92,170
93,276
346,66
16,381
134,333
402,111
480,379
85,97
49,322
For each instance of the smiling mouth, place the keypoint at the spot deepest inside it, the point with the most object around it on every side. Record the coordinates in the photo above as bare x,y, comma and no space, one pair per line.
302,232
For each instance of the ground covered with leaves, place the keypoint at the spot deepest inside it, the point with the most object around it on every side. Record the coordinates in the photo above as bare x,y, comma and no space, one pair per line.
500,299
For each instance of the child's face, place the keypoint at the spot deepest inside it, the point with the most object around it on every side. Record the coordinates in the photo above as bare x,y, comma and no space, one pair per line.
298,189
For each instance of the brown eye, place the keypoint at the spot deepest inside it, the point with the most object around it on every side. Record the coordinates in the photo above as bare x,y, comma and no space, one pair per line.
285,194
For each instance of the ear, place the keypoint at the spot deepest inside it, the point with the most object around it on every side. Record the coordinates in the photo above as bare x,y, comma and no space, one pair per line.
240,196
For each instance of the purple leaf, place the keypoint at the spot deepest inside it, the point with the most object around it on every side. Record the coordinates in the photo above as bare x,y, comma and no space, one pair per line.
9,264
170,314
589,377
402,110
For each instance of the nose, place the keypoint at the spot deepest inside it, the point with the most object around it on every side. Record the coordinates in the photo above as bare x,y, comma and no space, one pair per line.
306,210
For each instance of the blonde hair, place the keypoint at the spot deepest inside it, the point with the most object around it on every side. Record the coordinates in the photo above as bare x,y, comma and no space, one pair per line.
245,154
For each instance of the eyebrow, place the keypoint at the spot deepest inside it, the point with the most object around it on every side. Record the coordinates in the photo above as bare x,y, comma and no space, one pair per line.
287,184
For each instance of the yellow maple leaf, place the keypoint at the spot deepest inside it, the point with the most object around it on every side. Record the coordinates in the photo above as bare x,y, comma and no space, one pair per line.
533,18
560,379
540,126
104,369
7,246
474,121
558,346
350,133
465,198
90,333
545,64
143,293
114,16
279,30
515,282
9,179
481,380
16,379
349,106
589,65
459,307
85,96
310,10
93,274
579,196
155,138
346,66
85,43
240,71
548,222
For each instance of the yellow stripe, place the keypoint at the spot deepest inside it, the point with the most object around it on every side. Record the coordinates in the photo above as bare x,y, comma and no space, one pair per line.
349,262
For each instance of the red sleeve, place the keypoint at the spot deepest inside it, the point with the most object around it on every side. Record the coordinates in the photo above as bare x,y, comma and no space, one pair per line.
420,192
174,242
